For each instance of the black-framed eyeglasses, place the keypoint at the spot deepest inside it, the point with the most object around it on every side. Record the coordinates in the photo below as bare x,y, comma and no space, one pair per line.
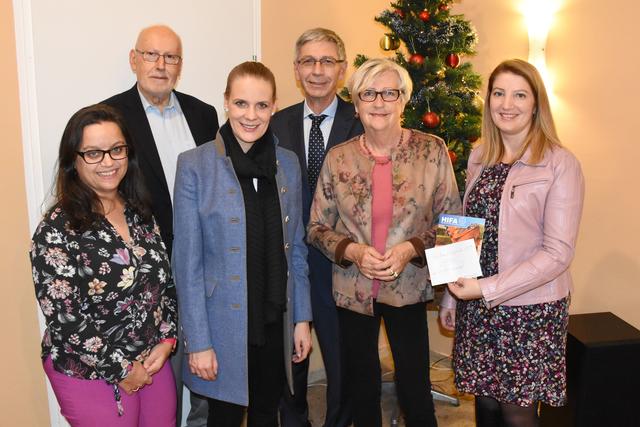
92,157
387,95
169,58
325,62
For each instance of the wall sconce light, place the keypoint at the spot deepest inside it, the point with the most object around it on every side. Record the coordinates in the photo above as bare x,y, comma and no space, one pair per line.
538,16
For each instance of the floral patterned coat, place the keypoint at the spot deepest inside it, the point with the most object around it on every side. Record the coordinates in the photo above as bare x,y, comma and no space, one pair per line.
106,303
424,186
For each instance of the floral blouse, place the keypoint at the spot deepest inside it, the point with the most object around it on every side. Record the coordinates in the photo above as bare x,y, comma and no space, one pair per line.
106,302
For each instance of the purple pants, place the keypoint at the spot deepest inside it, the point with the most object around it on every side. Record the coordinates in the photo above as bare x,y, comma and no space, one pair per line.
87,403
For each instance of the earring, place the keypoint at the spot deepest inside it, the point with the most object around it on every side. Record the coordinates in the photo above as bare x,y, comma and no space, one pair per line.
226,110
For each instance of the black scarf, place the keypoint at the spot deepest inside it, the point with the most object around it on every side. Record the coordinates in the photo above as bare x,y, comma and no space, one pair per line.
266,262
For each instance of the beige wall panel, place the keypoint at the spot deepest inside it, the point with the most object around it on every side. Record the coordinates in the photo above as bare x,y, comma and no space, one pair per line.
23,400
592,51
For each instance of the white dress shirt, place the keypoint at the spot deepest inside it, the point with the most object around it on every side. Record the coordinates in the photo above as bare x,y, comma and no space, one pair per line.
171,134
325,126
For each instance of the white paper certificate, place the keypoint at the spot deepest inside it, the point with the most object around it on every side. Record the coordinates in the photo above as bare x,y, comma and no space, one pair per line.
449,262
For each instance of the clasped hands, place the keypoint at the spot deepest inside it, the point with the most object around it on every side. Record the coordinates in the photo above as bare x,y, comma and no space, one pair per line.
141,374
374,265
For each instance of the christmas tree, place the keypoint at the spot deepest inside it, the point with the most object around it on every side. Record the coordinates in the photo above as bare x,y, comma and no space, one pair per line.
445,99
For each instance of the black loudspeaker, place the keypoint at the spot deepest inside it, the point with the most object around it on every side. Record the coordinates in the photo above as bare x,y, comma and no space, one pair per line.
603,374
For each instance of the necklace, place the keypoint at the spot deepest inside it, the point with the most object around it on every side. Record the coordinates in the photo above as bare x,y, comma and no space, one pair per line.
368,150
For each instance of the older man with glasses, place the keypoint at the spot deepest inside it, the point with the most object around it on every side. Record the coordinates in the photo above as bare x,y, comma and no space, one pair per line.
309,129
164,123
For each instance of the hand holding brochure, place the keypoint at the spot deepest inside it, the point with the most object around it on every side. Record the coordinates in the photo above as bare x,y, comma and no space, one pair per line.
449,262
457,250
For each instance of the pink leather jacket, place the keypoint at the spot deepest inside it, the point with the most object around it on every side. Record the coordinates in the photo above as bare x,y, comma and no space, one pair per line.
540,212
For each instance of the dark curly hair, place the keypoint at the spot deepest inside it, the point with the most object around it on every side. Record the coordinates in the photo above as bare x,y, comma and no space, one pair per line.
78,201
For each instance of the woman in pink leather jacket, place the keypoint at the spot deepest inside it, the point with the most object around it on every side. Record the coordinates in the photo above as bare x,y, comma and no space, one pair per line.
511,324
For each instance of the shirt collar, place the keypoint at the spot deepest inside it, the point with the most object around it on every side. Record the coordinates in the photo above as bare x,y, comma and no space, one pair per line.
173,103
330,111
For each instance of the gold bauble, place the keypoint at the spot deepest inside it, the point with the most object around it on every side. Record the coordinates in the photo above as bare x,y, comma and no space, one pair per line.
441,74
478,102
389,42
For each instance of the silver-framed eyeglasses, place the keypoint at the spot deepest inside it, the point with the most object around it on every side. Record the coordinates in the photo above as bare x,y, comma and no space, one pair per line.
325,62
92,157
387,95
169,58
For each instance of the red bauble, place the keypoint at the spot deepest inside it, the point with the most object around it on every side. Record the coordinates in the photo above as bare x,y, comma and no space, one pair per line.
453,60
431,119
416,59
443,6
424,15
453,156
399,12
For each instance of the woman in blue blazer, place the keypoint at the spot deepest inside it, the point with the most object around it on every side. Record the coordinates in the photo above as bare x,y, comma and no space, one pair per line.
239,259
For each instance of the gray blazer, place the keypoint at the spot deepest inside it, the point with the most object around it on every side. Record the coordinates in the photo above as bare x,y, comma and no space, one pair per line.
209,264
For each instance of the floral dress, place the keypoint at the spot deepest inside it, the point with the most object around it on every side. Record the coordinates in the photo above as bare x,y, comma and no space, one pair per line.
514,354
106,302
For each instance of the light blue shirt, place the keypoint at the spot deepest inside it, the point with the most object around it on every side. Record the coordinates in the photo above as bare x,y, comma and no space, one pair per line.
325,126
171,134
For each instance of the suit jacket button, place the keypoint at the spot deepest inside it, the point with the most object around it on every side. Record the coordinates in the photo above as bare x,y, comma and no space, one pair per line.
283,190
287,246
234,220
235,306
232,191
235,278
286,218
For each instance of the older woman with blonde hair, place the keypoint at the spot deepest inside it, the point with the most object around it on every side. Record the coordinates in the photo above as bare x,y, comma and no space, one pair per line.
511,325
373,214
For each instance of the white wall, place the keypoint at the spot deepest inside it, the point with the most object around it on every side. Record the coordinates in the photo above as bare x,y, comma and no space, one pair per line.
72,53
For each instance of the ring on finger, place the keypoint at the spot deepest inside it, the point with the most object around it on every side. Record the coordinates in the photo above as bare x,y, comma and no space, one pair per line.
395,274
136,389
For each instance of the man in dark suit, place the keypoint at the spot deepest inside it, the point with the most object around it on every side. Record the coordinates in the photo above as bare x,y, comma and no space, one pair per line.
309,129
163,123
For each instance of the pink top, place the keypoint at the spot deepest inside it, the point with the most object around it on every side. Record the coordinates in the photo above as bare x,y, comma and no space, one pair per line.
381,208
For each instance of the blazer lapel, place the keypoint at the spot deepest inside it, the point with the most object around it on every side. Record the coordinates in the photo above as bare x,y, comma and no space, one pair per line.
342,124
143,136
297,139
189,114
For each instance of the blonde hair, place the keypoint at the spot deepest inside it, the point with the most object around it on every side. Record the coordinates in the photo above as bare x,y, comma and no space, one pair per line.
321,35
371,69
542,134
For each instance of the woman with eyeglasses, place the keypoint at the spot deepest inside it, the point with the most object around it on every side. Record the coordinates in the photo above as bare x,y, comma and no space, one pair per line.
376,203
103,282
